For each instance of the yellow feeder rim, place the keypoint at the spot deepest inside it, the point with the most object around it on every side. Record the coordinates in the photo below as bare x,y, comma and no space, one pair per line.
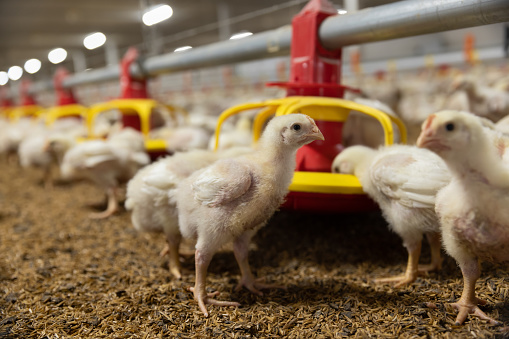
54,113
17,113
141,107
318,108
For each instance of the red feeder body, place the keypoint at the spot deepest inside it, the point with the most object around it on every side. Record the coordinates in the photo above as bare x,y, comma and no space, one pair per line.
26,98
131,88
65,96
316,71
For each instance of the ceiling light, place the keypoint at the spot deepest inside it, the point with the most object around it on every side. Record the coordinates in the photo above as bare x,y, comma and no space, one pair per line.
183,48
240,35
342,11
57,55
4,78
94,40
32,66
15,72
157,14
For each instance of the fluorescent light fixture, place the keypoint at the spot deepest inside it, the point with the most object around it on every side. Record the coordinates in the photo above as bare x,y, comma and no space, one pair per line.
32,66
157,14
94,40
15,72
240,35
57,55
183,48
342,11
4,78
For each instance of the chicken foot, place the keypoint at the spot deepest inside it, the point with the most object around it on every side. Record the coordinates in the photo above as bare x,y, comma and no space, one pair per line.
112,205
202,261
468,302
247,279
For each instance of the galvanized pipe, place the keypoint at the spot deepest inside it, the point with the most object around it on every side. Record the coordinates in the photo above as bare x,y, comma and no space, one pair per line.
396,20
410,18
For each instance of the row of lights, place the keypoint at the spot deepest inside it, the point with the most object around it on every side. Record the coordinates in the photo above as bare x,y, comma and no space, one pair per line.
55,56
91,41
95,40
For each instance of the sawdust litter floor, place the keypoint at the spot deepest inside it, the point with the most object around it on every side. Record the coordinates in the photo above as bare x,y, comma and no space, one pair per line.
64,275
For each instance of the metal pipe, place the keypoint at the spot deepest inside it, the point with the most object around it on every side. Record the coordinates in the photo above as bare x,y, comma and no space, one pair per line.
396,20
271,43
410,18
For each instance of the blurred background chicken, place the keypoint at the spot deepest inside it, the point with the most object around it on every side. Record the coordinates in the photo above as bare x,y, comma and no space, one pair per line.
483,100
107,163
231,199
473,206
404,181
362,129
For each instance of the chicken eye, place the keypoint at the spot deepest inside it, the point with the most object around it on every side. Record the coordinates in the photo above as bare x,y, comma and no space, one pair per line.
296,127
449,127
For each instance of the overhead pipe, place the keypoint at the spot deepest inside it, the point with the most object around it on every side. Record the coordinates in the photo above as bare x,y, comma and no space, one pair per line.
396,20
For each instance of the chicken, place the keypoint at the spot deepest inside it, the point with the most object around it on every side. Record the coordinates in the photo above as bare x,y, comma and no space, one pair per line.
46,148
231,199
150,195
484,101
183,139
404,181
107,163
362,129
241,135
14,134
32,153
473,207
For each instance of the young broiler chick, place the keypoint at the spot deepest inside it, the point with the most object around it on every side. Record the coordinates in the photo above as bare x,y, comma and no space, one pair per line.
150,195
107,163
404,181
231,199
484,101
473,206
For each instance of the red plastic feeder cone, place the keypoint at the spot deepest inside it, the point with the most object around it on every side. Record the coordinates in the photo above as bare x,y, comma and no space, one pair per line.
131,88
316,71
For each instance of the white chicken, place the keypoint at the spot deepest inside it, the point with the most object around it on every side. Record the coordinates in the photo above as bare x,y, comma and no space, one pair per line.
231,199
362,129
186,138
484,101
473,206
150,195
404,181
241,135
107,163
47,147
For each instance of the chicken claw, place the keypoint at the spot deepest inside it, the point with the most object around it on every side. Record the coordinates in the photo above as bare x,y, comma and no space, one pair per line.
464,309
112,206
255,285
399,281
204,298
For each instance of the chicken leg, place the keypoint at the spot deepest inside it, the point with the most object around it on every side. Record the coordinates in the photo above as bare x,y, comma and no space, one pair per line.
413,269
202,261
434,240
247,279
468,302
172,249
112,205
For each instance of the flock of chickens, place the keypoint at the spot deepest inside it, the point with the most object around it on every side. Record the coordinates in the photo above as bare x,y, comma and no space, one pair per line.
451,183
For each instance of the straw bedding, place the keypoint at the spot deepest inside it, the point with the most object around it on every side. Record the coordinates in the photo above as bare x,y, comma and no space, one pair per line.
64,275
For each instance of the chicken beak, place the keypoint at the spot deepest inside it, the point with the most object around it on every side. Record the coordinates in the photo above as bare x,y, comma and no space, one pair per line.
46,146
316,135
427,131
